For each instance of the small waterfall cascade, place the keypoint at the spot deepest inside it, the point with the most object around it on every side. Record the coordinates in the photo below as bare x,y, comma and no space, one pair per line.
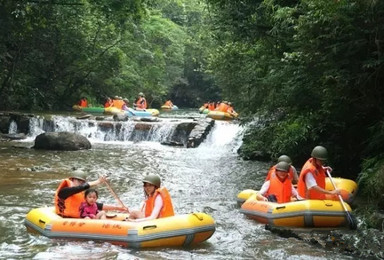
225,134
12,127
101,131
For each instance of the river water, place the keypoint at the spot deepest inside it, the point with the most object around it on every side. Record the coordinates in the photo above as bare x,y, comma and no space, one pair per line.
204,179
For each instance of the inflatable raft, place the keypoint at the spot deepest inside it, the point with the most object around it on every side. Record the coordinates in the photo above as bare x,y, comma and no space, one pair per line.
297,214
301,214
203,110
348,190
219,115
112,110
88,109
142,113
165,107
180,230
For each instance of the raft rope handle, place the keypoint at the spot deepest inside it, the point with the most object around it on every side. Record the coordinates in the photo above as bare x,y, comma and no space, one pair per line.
41,221
281,207
149,227
198,217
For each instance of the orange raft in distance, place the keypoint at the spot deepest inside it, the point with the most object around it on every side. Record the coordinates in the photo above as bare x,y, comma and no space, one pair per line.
179,230
219,115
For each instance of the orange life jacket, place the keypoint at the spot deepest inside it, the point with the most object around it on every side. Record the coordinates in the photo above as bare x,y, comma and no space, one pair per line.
319,175
108,103
166,210
222,107
282,190
211,106
141,103
273,168
118,103
70,206
83,103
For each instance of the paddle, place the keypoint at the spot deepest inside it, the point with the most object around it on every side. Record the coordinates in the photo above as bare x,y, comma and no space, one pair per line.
114,195
130,110
352,222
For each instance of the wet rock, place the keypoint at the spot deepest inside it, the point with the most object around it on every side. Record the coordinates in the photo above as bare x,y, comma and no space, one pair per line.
84,116
20,136
120,117
63,141
199,132
22,121
172,143
149,119
362,243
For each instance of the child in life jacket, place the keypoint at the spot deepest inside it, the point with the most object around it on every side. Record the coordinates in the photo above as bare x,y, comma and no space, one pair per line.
88,208
279,187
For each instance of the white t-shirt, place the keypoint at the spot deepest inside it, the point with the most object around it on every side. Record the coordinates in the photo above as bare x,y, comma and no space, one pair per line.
310,181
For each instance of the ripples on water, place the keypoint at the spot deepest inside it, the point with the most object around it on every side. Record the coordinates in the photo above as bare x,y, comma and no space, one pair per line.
206,179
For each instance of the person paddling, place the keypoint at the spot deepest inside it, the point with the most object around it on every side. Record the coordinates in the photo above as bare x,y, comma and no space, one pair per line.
70,194
157,204
311,183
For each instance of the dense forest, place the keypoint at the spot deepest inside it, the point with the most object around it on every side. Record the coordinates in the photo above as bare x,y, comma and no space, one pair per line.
301,73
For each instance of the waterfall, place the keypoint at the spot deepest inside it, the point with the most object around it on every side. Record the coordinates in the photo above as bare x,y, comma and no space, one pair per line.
12,127
101,131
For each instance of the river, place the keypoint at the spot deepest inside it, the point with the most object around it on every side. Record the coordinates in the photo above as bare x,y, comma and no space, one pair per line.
205,179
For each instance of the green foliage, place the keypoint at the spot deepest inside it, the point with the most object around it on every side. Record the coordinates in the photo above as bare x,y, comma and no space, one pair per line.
318,63
371,180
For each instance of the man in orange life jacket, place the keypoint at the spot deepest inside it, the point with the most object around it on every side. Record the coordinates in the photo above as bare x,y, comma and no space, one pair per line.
279,187
311,183
70,194
158,203
292,170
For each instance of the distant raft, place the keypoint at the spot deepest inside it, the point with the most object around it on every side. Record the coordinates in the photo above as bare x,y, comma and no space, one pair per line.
142,113
88,109
165,107
203,110
219,115
180,230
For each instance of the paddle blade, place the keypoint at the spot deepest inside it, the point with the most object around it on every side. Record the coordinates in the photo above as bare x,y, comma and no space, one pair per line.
351,221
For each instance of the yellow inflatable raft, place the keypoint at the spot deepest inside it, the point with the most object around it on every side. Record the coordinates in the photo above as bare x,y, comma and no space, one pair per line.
298,214
112,110
348,190
219,115
305,213
180,230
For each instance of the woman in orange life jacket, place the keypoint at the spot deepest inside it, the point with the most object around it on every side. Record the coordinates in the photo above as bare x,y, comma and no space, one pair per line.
157,204
279,187
108,102
83,102
292,170
70,194
140,102
311,183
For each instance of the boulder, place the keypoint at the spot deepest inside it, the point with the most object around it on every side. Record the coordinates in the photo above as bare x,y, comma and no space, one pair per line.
62,141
